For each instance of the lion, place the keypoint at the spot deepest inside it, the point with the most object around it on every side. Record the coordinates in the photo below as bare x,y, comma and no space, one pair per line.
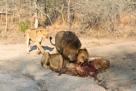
52,61
35,35
83,56
67,44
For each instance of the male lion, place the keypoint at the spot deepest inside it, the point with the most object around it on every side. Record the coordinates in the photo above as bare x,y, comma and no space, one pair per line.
82,56
35,35
67,44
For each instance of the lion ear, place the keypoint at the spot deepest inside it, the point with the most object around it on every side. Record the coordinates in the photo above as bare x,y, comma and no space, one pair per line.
85,49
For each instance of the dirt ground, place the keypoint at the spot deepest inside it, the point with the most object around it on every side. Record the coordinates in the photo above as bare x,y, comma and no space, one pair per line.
20,71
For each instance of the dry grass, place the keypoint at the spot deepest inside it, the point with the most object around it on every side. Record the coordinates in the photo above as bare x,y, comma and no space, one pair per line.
97,18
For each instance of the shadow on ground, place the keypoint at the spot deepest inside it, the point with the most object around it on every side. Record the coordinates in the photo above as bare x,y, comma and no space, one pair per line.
32,48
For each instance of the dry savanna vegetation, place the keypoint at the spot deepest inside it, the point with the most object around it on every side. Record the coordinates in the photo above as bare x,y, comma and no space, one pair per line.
101,18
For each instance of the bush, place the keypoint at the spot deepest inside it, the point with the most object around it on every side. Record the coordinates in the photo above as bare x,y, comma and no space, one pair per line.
24,26
102,14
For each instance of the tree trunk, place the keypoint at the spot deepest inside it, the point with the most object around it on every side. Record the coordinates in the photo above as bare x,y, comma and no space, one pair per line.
6,28
62,13
69,22
35,18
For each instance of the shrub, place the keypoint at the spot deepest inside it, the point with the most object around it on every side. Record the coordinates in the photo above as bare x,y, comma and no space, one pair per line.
23,26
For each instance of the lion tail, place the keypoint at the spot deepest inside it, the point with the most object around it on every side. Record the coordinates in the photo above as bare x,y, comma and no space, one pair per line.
51,41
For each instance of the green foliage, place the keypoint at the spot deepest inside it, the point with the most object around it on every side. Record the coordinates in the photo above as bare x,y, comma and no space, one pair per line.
24,26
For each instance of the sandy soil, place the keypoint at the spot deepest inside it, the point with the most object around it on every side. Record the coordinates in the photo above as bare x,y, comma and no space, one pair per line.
23,72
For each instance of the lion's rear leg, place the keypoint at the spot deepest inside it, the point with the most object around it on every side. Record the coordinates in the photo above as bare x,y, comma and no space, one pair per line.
37,51
60,62
45,60
27,44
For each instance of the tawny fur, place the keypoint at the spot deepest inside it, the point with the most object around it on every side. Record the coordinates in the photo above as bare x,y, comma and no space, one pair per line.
82,55
99,63
35,35
54,61
67,44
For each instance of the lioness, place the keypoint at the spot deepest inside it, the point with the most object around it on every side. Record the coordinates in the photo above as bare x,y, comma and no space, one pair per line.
52,61
35,35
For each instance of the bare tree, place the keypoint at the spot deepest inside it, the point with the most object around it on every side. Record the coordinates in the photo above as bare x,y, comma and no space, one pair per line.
69,21
6,28
36,12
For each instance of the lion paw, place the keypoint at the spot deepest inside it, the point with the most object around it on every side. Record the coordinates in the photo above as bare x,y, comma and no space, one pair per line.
47,67
38,52
43,52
